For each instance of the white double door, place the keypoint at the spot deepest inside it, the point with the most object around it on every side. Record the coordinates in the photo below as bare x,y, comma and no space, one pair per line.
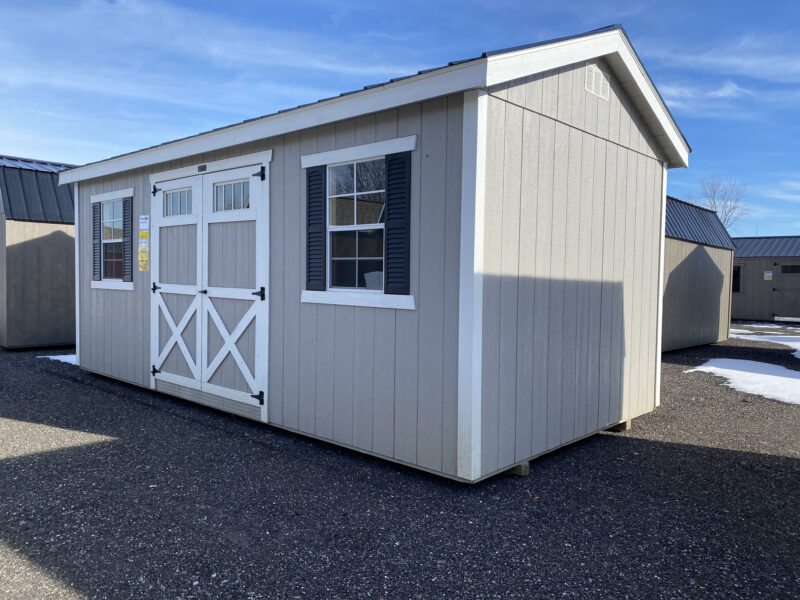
210,290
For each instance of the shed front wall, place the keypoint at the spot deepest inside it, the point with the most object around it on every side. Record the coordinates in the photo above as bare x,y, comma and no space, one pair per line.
763,300
383,381
697,294
571,264
39,284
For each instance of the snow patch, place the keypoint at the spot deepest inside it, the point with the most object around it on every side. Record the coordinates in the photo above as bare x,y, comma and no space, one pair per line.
740,331
753,377
67,358
790,341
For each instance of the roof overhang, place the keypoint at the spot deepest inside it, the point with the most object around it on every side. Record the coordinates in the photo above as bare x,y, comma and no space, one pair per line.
611,44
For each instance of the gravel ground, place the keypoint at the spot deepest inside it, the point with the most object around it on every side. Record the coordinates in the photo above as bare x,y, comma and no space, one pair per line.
109,491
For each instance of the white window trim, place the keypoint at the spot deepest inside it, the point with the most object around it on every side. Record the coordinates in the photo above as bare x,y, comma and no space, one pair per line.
358,298
356,153
111,284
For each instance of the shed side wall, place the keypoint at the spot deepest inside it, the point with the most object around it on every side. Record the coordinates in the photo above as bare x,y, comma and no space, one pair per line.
572,222
762,300
380,380
3,281
697,292
40,278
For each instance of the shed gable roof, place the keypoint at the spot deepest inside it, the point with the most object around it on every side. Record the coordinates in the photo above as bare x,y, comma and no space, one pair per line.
30,191
490,68
696,224
786,246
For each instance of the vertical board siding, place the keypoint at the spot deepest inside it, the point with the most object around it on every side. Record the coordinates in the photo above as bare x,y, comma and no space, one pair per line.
572,220
381,380
697,291
763,300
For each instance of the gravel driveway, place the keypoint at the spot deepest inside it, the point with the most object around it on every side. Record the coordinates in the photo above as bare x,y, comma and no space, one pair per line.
110,491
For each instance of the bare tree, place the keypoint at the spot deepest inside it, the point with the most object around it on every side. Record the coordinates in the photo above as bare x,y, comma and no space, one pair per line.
726,198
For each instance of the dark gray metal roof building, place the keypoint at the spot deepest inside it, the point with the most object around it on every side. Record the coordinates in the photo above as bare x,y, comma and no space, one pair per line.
787,246
30,191
694,223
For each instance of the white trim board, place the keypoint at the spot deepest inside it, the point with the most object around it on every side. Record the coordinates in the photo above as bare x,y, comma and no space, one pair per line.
344,298
76,205
470,302
474,74
115,195
354,153
106,284
257,158
660,307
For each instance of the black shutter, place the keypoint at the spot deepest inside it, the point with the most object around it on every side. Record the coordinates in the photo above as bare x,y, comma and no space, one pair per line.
127,239
97,267
398,221
315,228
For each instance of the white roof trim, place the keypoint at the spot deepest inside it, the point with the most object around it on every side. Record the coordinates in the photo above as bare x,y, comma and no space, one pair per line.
475,74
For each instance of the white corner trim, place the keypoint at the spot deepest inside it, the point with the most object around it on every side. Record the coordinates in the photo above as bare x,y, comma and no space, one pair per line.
257,158
374,300
660,309
470,302
77,267
116,194
353,153
106,284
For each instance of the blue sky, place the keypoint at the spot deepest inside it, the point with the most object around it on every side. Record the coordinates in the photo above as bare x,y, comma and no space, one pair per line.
84,80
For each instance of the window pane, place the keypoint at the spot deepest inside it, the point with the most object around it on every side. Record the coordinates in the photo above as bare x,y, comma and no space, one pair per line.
108,210
228,196
112,261
343,244
341,212
117,209
237,195
370,243
218,201
185,201
341,180
369,208
371,175
343,273
370,274
246,194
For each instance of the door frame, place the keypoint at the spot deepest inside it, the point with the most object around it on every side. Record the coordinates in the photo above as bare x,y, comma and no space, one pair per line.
259,162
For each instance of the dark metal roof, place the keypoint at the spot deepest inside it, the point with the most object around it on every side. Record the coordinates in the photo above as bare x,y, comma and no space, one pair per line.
422,72
30,191
695,224
786,246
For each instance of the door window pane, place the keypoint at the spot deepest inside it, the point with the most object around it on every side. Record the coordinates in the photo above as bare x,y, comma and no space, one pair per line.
231,196
178,202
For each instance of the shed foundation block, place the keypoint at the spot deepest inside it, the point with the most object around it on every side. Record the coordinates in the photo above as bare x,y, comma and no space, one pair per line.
624,426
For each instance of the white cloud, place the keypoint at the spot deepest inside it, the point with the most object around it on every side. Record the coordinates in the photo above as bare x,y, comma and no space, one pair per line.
729,90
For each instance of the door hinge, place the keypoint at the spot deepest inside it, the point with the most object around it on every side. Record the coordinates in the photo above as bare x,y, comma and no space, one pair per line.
259,396
155,189
262,173
155,287
202,291
261,293
153,371
775,290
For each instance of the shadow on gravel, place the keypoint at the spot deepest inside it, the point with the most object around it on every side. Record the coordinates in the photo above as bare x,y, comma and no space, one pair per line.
186,495
735,348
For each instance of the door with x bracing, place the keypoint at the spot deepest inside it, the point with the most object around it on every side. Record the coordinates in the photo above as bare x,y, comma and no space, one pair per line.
209,305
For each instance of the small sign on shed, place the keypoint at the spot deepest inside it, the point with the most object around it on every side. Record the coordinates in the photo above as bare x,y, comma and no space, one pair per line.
767,275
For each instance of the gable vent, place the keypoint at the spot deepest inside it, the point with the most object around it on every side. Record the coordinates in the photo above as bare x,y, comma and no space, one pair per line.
596,81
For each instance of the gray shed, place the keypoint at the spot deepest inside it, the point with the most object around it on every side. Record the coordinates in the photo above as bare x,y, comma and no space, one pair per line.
37,255
457,270
698,262
766,278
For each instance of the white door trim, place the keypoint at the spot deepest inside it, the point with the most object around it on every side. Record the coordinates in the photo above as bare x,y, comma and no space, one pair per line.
255,159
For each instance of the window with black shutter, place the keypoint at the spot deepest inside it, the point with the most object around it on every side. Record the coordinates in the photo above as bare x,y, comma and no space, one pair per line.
112,240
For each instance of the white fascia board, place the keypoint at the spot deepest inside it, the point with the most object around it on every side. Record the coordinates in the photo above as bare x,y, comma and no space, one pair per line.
354,153
441,82
126,193
522,63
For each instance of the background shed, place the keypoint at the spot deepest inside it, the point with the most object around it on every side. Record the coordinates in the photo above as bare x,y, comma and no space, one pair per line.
698,256
766,278
37,255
